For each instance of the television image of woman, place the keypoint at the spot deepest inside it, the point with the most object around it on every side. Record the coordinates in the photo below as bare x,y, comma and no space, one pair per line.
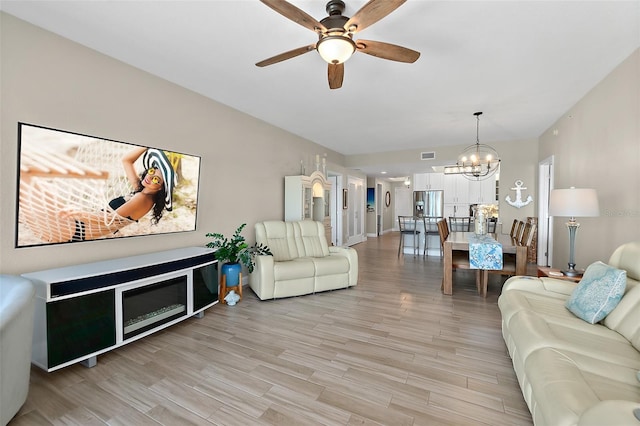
78,188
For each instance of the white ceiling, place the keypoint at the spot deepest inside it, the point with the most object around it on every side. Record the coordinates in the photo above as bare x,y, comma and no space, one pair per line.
523,63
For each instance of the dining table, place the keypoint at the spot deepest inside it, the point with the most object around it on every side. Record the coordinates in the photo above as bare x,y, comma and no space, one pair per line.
460,241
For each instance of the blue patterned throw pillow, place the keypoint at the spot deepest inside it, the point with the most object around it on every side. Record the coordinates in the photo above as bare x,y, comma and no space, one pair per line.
598,293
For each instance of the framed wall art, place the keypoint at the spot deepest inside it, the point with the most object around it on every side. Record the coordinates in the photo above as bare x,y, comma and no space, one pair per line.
371,199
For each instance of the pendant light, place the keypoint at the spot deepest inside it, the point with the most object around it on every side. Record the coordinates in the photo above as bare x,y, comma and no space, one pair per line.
476,162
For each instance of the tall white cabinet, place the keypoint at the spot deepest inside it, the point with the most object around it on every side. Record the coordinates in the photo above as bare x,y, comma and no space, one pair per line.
482,191
307,198
456,195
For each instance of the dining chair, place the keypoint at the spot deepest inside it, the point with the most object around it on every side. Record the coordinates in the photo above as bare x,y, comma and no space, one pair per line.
459,224
431,228
514,228
408,227
527,237
519,231
526,234
443,231
492,223
459,258
509,259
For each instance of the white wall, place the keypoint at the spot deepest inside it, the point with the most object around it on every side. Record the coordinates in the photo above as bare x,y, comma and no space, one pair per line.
50,81
596,144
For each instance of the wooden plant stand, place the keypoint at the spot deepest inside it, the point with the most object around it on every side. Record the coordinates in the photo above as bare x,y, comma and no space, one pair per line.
224,290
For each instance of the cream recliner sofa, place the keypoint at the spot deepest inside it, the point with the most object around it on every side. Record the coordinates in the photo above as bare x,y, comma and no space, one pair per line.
17,304
572,372
302,262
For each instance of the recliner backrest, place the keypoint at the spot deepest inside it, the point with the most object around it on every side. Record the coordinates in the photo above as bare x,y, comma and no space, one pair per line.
310,239
279,237
625,318
290,240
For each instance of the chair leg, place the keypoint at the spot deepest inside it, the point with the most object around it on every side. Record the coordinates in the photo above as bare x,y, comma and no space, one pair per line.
400,245
424,248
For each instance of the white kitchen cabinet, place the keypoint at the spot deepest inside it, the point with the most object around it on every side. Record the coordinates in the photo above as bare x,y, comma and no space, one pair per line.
420,181
436,181
482,191
428,181
456,189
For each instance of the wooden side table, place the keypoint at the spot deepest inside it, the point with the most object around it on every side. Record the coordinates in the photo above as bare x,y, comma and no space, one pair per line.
546,271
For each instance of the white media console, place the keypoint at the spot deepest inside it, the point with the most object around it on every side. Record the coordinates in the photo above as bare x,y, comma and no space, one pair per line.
85,310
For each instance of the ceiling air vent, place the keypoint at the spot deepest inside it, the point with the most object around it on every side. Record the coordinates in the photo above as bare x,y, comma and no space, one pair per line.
428,155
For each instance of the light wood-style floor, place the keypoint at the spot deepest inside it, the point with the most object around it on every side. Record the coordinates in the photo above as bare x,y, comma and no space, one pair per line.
391,351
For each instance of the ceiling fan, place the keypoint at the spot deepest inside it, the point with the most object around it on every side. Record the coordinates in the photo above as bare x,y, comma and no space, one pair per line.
335,35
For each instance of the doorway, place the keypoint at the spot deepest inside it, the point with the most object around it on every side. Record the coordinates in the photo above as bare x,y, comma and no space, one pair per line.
379,209
335,208
545,222
355,203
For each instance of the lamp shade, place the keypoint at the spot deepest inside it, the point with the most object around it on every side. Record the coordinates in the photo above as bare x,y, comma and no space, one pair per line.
336,49
574,202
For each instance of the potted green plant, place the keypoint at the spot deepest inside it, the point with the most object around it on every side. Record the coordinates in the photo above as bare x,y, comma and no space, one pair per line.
233,253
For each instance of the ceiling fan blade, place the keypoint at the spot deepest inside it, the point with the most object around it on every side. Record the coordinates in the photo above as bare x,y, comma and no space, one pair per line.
371,13
336,75
298,16
387,51
286,55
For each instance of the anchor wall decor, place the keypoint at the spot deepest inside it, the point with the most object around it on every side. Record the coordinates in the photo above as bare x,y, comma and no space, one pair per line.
518,203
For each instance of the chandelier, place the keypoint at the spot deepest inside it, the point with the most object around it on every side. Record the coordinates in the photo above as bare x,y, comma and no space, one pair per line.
476,162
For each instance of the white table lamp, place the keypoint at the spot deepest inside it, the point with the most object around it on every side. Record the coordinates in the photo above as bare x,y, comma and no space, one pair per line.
572,203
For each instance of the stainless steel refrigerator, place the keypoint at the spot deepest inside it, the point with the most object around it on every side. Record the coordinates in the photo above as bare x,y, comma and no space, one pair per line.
428,203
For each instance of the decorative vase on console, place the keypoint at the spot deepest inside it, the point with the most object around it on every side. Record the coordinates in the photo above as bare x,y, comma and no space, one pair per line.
480,221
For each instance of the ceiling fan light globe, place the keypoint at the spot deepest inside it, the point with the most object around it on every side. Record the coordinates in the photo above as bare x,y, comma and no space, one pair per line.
336,49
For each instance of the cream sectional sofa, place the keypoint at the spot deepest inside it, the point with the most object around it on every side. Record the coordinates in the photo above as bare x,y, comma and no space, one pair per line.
572,372
17,303
302,262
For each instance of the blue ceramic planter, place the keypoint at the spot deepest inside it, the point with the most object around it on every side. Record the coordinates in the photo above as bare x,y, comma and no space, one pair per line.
232,273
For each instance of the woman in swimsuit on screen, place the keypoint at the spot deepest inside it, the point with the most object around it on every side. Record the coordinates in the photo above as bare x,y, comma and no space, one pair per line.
153,192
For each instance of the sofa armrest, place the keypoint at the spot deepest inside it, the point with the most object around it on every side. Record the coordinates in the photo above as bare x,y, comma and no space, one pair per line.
262,280
612,412
352,257
17,304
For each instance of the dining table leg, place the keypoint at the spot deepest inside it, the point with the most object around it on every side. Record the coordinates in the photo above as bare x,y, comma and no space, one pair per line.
447,286
482,278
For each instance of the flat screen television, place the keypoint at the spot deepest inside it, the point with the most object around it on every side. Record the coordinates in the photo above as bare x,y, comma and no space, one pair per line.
74,188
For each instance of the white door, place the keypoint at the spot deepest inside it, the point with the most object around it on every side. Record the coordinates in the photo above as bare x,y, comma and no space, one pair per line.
403,203
379,209
545,222
335,208
355,211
